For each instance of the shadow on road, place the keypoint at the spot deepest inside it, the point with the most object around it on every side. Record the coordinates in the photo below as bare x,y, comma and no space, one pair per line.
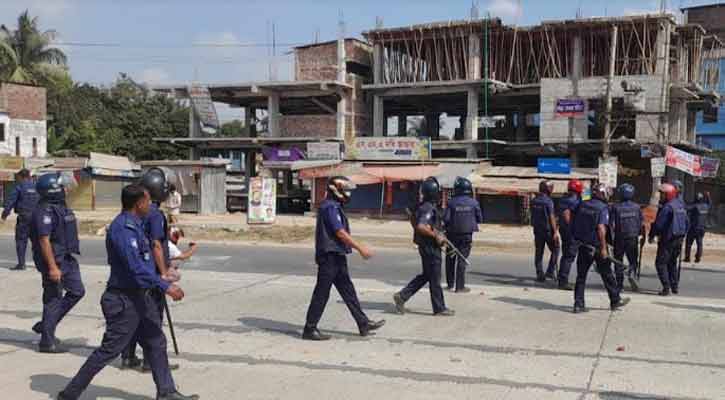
692,307
628,396
51,384
286,328
535,304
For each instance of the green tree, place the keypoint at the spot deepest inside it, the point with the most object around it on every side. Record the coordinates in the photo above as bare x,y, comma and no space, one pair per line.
26,55
234,128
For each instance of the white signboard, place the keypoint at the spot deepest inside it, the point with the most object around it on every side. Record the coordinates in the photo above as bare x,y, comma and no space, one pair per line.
262,207
608,171
323,151
390,148
658,167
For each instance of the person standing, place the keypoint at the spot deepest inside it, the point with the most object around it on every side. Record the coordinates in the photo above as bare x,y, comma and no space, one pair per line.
332,245
429,242
461,219
543,219
22,200
130,302
698,213
54,238
627,225
566,209
173,204
670,227
591,222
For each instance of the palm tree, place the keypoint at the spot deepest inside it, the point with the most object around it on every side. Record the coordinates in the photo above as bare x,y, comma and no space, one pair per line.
25,53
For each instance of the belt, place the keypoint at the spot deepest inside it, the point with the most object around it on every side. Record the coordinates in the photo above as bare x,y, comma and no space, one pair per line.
129,291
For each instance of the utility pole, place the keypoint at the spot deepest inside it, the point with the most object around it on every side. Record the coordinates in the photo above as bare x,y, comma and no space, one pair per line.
608,96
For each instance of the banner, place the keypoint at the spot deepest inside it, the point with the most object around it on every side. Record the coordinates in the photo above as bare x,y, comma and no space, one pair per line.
323,151
683,161
389,148
570,108
262,207
204,108
608,171
710,167
658,167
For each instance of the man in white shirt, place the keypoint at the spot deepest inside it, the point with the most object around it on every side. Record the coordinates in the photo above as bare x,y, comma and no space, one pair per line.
177,256
173,204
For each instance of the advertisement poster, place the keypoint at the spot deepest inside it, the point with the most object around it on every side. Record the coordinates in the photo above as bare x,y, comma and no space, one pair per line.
710,167
262,207
608,171
570,108
389,148
683,161
658,167
323,151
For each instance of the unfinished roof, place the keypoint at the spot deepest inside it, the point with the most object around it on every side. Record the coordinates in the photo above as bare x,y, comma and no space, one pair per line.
221,163
717,5
329,42
470,24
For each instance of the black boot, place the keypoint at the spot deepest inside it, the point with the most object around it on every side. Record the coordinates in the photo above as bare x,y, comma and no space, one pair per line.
371,326
399,303
38,327
177,396
579,309
664,292
565,286
445,313
131,363
55,348
314,334
19,267
621,303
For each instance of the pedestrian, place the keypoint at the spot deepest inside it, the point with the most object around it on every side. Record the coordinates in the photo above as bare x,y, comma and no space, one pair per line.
591,222
429,241
130,302
627,225
332,245
173,204
461,219
54,238
176,256
698,213
157,232
22,200
565,210
543,219
670,228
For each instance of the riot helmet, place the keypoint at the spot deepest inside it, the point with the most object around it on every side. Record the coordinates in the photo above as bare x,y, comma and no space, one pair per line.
430,190
340,188
626,192
462,186
154,180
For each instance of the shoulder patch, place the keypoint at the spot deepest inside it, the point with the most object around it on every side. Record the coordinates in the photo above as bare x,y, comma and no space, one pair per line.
134,243
47,220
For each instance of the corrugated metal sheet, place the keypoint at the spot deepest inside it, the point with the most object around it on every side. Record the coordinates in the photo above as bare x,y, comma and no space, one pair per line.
107,161
514,186
213,191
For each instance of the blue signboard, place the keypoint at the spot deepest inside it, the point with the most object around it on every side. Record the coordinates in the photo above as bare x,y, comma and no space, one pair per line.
554,166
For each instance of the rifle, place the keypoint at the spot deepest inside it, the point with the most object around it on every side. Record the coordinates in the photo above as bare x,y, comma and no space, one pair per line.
609,255
171,325
452,249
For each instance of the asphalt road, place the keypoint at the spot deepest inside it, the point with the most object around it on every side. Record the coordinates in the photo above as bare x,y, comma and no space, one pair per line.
392,266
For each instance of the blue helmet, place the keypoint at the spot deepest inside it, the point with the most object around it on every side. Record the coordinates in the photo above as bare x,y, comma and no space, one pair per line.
678,186
50,187
462,186
431,190
626,191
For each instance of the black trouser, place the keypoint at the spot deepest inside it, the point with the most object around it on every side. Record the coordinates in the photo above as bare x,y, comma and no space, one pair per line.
585,259
332,270
456,268
569,250
694,236
541,239
431,259
629,248
668,254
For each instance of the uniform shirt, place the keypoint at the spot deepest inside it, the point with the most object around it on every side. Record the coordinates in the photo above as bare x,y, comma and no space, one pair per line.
330,219
542,207
427,214
129,255
462,215
626,220
698,216
570,202
587,219
671,221
156,228
22,199
58,223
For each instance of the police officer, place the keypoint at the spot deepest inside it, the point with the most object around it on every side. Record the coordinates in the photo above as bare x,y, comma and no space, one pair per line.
543,219
23,200
461,219
565,210
429,242
698,217
54,238
670,228
156,229
129,303
332,245
591,222
627,225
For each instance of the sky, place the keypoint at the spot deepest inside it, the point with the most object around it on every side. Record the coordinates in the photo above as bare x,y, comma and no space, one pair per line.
178,41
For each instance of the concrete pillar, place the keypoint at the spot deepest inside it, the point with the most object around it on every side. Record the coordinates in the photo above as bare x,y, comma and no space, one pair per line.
341,62
474,56
378,116
471,130
274,115
691,119
252,121
378,63
194,131
402,125
342,117
432,123
521,126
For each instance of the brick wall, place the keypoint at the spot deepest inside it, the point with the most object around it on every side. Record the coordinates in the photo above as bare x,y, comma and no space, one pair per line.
23,102
711,18
316,63
308,126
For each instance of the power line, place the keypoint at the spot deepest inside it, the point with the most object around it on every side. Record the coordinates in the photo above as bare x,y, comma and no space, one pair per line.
178,46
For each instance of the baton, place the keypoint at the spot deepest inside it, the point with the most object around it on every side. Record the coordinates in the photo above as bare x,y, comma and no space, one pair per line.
609,256
639,262
171,325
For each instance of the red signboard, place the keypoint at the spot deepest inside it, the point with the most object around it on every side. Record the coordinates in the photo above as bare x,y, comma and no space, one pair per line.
685,162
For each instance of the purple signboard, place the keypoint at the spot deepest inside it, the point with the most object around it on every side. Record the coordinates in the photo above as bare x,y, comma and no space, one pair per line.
570,107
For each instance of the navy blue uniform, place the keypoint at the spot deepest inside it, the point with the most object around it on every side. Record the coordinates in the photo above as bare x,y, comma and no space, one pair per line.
58,223
568,249
698,220
331,258
130,303
626,224
670,226
461,219
430,255
542,207
23,200
589,216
